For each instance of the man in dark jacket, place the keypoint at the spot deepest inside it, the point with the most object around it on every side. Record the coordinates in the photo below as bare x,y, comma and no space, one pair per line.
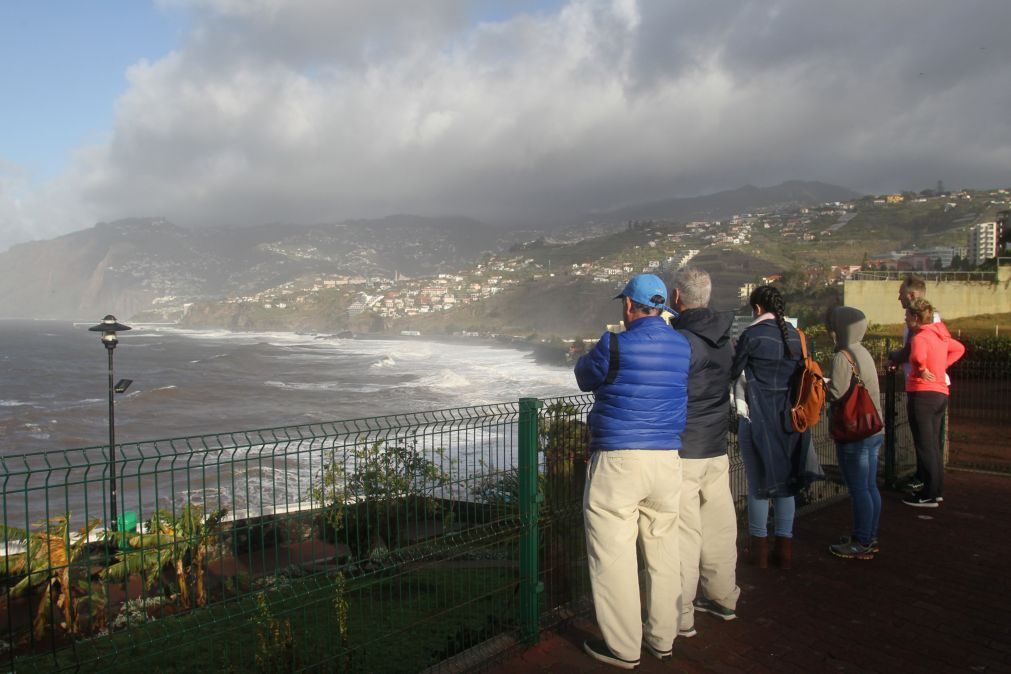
708,529
639,381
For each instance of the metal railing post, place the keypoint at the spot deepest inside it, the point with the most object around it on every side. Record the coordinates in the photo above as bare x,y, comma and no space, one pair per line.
890,477
530,499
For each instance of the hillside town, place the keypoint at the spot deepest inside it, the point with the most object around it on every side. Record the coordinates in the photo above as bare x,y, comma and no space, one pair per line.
660,245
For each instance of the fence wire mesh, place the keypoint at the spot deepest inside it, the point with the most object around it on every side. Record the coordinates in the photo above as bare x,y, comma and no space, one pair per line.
979,411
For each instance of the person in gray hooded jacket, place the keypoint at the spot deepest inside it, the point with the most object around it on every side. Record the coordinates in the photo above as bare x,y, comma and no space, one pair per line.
858,460
708,525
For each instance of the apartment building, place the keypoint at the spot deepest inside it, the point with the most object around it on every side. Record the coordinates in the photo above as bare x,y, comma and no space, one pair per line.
982,242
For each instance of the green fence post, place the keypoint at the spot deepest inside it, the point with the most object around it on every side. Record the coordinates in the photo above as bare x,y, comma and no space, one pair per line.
890,478
530,499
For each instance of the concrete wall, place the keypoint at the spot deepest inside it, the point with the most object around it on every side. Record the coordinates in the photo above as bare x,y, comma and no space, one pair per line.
878,299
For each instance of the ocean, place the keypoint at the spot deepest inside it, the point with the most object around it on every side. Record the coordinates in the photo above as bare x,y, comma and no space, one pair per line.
54,375
54,397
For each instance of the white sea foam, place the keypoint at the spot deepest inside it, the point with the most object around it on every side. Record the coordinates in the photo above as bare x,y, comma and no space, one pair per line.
448,379
386,361
209,358
35,431
145,392
13,403
204,334
305,386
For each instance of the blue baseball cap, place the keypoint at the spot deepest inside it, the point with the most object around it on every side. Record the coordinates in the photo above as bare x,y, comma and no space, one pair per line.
647,290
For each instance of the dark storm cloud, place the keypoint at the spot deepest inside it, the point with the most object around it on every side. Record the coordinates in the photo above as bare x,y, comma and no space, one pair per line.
313,110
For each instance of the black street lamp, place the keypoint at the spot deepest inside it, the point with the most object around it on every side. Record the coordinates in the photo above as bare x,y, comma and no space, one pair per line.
109,327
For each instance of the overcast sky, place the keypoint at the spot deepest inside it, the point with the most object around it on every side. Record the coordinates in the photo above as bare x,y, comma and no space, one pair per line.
213,112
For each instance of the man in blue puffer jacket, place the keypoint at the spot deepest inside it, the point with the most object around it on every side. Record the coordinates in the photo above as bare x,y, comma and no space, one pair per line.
639,380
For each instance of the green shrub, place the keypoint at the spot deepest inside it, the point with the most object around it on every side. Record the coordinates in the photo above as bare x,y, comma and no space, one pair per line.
374,491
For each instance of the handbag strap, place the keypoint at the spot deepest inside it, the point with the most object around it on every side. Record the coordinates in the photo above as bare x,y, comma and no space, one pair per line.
853,364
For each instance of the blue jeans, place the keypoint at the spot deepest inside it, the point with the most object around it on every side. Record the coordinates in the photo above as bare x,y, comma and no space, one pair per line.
758,516
858,462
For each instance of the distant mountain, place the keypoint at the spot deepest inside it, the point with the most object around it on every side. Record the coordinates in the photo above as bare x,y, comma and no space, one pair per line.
128,266
720,205
123,266
115,267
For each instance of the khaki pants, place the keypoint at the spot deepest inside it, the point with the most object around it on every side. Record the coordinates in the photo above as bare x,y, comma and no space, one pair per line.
633,495
708,535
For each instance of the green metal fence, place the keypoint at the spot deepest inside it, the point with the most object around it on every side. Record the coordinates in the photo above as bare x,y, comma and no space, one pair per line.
305,546
979,408
393,543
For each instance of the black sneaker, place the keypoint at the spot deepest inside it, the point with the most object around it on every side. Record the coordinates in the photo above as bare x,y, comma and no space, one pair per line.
914,484
848,548
712,608
662,656
598,650
939,499
920,501
873,546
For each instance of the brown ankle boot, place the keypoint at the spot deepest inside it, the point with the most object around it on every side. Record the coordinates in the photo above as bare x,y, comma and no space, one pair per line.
783,554
758,553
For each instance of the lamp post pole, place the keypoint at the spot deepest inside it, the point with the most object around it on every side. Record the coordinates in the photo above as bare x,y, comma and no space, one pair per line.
112,442
109,327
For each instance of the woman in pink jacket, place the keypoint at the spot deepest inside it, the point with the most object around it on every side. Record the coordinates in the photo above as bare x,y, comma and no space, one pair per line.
932,350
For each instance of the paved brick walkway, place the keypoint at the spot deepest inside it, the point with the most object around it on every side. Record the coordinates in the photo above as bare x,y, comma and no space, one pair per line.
935,599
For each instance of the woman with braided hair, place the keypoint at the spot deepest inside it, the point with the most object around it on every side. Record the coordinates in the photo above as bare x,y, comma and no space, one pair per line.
766,356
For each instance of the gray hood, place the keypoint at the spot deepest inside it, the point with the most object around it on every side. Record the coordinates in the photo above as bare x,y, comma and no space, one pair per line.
849,326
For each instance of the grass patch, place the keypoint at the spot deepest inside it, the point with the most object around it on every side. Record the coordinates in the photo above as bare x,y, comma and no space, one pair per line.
984,325
399,623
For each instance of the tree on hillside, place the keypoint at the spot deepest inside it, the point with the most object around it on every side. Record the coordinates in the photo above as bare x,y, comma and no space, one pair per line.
791,282
809,294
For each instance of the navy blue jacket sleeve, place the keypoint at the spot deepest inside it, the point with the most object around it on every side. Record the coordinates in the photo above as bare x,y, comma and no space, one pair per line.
742,352
591,368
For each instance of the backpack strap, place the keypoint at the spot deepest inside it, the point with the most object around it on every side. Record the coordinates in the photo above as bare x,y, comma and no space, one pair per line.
612,363
803,344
